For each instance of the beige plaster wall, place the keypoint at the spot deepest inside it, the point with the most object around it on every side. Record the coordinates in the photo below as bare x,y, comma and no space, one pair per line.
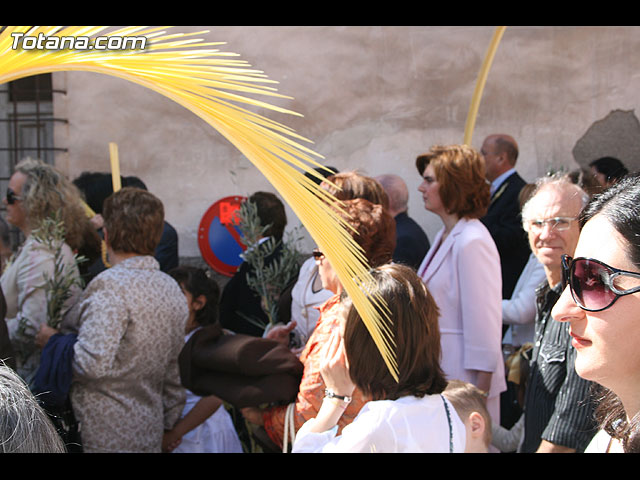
372,98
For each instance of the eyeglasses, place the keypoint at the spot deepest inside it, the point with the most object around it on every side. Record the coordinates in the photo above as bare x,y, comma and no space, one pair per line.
317,254
594,285
12,197
558,224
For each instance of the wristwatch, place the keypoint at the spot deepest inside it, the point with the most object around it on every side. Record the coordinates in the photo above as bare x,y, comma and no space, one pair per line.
328,393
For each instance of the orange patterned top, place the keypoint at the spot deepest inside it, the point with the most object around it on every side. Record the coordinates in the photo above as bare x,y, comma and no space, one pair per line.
312,386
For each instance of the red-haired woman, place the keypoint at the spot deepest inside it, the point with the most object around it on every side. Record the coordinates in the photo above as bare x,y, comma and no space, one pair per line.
462,269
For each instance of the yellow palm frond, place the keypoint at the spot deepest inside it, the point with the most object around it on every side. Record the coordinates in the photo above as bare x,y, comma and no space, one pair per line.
480,82
215,85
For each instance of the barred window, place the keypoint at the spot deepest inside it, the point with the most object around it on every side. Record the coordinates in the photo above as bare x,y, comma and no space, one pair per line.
26,126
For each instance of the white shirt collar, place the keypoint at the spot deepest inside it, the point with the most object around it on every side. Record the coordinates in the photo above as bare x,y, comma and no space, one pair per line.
260,242
498,181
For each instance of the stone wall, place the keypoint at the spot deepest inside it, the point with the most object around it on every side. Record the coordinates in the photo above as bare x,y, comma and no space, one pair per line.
372,98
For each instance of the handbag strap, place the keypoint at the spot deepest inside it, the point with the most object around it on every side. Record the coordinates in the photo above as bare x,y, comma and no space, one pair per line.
289,427
446,408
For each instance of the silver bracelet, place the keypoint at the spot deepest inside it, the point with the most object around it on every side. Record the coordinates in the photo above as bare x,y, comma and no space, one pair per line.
328,393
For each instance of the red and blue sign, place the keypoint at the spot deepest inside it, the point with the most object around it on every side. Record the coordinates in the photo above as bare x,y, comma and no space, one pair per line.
219,239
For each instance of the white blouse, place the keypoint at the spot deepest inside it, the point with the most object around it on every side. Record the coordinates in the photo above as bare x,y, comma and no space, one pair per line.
305,302
406,425
24,286
602,443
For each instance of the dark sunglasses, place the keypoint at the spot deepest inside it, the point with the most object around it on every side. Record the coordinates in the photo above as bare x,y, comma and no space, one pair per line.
12,197
317,254
594,285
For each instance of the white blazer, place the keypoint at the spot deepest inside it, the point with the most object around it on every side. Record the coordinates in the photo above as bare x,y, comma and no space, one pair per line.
463,275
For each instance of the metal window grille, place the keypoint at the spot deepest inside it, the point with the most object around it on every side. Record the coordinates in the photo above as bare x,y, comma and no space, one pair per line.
26,126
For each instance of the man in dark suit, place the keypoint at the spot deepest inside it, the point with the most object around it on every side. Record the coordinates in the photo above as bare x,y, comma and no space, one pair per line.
240,306
96,187
167,251
503,218
412,244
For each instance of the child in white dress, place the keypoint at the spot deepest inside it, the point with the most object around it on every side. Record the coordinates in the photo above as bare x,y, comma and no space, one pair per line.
205,425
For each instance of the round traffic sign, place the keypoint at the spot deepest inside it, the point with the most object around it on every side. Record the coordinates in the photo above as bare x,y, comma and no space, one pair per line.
219,239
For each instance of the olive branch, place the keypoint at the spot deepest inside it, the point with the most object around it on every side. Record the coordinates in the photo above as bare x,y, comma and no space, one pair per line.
58,286
268,277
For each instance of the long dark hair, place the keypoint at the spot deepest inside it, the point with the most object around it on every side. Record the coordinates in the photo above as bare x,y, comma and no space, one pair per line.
195,281
620,205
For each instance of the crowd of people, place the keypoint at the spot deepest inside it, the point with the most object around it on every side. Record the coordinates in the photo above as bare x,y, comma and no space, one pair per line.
513,327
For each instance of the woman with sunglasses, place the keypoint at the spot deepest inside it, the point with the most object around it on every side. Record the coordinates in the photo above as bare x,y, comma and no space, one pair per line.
35,192
298,310
601,304
373,229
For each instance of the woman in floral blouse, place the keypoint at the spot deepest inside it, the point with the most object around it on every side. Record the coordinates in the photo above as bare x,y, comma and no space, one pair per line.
126,387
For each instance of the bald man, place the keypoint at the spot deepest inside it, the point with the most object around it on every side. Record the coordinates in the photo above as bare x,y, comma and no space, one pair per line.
412,243
503,218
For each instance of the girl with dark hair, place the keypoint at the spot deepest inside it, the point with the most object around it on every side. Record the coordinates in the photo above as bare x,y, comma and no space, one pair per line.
203,294
602,307
400,410
205,425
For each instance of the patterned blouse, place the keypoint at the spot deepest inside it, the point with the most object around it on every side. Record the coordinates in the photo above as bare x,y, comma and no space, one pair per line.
126,387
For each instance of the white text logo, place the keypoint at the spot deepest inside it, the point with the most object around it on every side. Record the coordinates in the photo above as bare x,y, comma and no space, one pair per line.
43,42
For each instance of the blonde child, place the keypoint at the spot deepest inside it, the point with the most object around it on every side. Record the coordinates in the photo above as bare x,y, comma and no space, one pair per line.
470,404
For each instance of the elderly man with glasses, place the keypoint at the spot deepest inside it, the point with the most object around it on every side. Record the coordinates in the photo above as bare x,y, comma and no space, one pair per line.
558,413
